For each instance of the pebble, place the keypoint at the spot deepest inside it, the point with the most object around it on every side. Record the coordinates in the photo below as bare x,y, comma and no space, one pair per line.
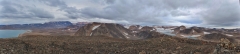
12,50
178,47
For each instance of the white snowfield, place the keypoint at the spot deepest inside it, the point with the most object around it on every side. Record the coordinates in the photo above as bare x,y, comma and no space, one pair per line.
140,27
207,33
165,31
191,36
171,28
228,34
195,35
95,27
183,35
127,26
169,32
151,30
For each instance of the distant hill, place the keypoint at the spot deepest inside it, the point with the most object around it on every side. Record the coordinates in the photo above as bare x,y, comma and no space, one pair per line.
216,37
55,24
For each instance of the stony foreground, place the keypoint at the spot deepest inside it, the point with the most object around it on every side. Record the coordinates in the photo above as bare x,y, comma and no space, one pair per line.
102,45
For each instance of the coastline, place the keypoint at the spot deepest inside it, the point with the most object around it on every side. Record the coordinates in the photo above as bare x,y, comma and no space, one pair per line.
12,33
22,34
54,32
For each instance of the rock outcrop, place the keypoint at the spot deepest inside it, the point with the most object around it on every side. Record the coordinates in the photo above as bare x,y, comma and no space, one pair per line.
182,31
225,46
176,30
188,31
134,27
147,28
191,31
216,37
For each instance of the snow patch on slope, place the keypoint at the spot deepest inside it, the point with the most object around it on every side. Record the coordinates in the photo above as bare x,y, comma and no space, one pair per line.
95,27
228,34
125,33
127,27
127,37
190,35
134,31
140,27
207,33
153,30
91,34
195,35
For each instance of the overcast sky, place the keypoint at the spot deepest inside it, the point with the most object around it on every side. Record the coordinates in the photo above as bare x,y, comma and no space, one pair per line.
144,12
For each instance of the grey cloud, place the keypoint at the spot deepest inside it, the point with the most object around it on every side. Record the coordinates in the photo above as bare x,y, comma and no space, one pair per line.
55,3
179,13
174,4
155,11
151,11
135,11
13,10
224,14
110,1
40,13
72,12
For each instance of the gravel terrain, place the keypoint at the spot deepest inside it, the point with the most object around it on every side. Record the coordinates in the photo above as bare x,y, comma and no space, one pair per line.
102,45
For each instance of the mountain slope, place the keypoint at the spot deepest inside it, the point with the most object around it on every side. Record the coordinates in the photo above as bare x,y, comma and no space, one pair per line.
216,37
115,30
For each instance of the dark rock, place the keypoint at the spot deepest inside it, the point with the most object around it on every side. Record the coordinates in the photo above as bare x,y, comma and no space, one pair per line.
217,37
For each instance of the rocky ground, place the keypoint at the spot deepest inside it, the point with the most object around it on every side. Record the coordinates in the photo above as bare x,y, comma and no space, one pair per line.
51,32
103,45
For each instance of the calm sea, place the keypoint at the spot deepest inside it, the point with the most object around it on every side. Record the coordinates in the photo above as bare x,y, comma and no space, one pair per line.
11,33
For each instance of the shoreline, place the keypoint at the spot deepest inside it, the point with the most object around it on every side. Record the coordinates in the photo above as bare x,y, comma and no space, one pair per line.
13,33
15,29
21,34
54,32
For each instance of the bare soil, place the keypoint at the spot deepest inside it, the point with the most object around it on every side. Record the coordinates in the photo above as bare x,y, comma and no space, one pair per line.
39,44
49,32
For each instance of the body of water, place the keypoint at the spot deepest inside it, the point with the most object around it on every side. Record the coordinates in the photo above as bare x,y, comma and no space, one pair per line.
166,31
11,33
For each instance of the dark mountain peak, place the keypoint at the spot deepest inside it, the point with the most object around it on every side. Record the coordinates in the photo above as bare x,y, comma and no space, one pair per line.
189,31
148,28
96,23
135,27
46,25
182,27
107,29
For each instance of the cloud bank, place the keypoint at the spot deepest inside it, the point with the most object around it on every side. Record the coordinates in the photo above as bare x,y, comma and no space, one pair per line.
144,12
